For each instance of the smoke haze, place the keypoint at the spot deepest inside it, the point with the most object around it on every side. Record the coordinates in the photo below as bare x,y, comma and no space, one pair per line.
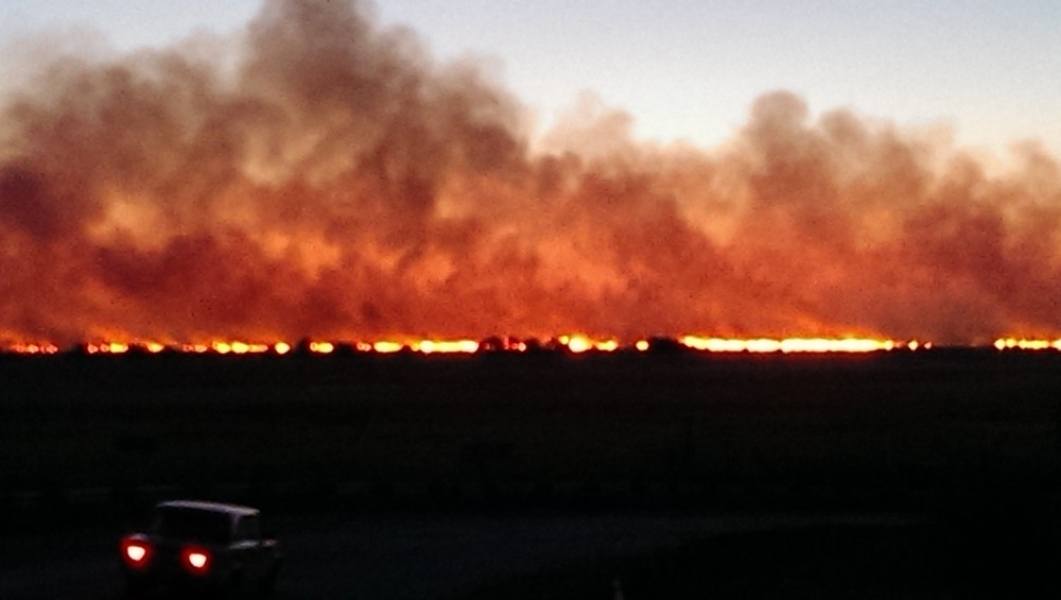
320,175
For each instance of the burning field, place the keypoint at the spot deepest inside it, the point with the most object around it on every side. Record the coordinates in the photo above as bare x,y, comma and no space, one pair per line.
320,176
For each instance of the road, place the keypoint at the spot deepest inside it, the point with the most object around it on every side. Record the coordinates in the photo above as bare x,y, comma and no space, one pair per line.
388,557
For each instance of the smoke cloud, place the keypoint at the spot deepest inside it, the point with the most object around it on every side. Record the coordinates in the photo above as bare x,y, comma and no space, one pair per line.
321,175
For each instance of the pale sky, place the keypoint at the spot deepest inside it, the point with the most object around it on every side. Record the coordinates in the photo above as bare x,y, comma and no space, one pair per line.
690,69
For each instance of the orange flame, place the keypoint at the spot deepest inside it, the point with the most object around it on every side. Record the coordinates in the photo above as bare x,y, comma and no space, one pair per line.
387,347
107,348
447,347
580,343
33,348
321,347
575,343
789,345
1026,344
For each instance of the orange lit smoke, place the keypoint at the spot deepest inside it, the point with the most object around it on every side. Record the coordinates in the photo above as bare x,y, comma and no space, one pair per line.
320,176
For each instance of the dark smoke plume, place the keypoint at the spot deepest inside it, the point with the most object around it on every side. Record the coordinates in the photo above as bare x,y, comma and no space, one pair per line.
324,176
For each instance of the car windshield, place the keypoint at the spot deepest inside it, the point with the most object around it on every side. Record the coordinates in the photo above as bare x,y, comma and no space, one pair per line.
193,524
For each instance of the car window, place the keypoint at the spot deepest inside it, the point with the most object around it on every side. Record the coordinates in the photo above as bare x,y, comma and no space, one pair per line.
192,524
248,528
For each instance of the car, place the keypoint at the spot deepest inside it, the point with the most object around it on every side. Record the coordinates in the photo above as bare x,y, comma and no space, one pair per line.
211,547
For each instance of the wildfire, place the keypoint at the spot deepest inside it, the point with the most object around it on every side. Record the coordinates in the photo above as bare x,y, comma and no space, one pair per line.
316,176
574,343
1022,344
321,347
424,346
579,344
107,348
789,345
33,349
444,347
387,347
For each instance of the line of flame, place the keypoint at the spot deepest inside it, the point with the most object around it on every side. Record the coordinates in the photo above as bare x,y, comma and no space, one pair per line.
575,343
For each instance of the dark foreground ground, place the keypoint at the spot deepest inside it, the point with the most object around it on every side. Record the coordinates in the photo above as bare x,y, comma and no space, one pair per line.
949,459
437,556
559,556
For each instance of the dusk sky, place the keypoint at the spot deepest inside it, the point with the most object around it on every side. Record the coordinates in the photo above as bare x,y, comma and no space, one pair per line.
186,172
689,69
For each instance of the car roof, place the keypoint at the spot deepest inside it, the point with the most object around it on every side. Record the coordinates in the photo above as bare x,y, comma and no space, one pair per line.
222,507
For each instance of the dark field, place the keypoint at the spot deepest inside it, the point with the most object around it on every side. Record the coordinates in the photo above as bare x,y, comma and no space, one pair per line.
965,442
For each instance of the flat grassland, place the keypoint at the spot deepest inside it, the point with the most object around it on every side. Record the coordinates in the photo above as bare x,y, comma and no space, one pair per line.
622,428
968,442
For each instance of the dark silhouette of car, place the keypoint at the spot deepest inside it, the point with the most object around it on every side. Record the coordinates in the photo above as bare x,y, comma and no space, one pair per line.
209,547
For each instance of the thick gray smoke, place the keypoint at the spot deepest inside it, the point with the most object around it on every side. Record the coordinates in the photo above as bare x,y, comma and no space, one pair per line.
324,176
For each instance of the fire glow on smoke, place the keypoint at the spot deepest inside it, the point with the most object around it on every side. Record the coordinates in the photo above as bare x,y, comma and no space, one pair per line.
321,176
